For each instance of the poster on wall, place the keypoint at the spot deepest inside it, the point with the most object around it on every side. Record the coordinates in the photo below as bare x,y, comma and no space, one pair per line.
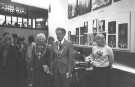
100,3
101,25
112,41
112,27
69,35
84,6
72,8
94,23
77,31
73,39
123,35
116,0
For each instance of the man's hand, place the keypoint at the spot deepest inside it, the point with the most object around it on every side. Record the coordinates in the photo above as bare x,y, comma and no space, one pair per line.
68,75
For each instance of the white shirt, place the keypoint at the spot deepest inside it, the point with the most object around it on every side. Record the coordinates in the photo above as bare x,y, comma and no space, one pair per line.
61,42
103,56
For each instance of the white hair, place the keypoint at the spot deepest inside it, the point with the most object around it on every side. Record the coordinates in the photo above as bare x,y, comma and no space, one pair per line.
40,37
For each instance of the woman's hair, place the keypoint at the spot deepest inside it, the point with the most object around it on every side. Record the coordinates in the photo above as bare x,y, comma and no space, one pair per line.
40,37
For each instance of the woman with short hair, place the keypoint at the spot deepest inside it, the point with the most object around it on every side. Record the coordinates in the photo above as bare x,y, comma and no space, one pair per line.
41,62
103,59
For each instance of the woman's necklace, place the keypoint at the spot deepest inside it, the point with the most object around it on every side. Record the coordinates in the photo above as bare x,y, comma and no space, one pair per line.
40,51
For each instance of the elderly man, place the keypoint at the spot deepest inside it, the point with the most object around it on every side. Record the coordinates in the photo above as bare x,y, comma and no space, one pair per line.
63,58
41,62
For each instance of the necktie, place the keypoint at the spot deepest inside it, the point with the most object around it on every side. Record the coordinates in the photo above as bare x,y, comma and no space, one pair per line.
60,45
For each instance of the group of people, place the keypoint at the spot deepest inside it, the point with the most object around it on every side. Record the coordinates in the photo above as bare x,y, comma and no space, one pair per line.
12,60
47,63
52,63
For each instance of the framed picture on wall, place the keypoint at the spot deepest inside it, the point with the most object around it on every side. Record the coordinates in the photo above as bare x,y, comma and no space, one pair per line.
73,39
112,41
77,31
104,35
83,30
101,26
69,35
84,6
112,27
100,3
116,0
123,35
94,23
72,8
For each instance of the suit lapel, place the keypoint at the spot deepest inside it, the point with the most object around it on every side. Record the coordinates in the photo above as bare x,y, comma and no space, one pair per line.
64,46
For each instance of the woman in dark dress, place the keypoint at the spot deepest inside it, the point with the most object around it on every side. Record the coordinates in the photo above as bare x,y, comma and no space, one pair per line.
21,63
8,63
41,62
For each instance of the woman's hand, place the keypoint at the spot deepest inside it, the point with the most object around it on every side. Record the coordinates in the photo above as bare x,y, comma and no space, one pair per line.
102,61
46,69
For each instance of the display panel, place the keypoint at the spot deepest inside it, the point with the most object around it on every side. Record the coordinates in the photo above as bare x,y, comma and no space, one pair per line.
8,20
12,9
116,0
123,35
69,35
14,21
77,31
101,25
100,3
73,39
94,23
2,20
84,6
112,41
112,27
72,8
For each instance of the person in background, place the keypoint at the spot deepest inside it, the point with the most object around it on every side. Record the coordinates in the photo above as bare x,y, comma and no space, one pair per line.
50,41
21,63
29,59
62,59
103,59
41,62
15,39
8,62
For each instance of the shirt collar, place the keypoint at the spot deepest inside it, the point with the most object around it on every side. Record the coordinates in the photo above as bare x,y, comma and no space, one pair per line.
62,41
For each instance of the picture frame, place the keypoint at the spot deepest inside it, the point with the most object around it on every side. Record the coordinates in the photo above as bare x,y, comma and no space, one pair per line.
112,41
72,8
96,4
123,35
112,27
84,6
101,26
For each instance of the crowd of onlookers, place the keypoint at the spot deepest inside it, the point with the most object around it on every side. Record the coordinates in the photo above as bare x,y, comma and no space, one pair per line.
44,63
15,59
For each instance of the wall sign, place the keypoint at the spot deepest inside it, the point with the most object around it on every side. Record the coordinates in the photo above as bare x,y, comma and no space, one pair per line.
12,9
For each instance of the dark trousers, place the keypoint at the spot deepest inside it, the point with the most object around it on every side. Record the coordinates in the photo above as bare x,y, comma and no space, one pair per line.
40,79
101,77
60,80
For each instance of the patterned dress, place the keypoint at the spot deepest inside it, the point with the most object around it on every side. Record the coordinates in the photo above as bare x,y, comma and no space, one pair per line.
41,56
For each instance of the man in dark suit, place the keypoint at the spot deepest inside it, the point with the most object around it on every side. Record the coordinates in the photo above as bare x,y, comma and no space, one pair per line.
62,59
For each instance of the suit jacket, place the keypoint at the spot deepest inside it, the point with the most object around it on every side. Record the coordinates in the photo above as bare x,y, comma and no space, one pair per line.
63,60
